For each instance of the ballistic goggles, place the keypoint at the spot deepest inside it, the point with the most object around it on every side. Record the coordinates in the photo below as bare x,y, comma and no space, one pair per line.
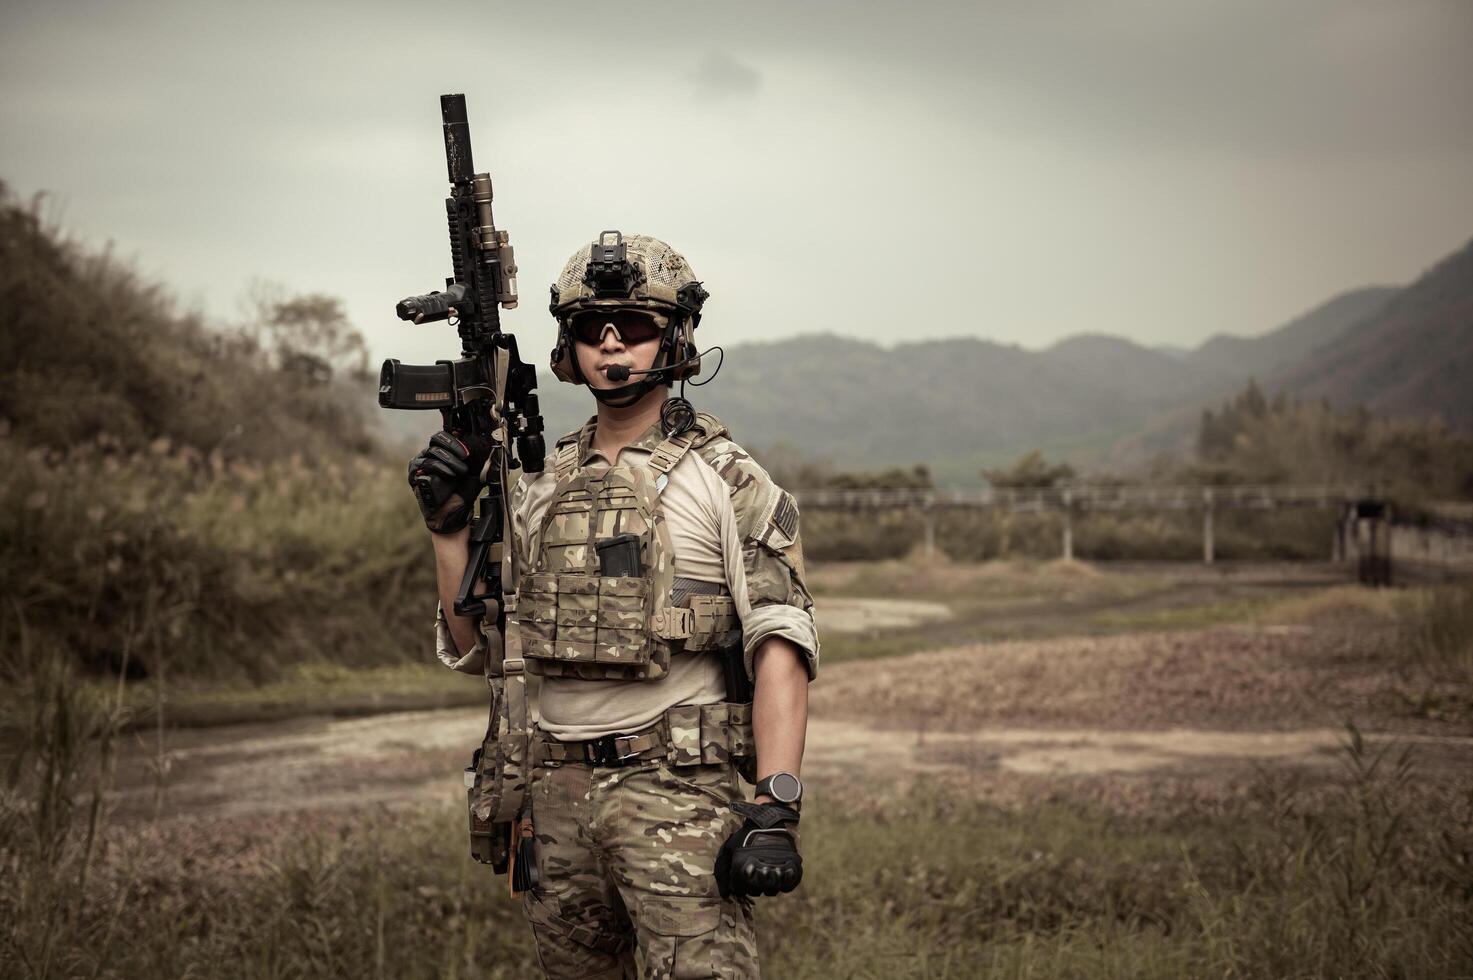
630,326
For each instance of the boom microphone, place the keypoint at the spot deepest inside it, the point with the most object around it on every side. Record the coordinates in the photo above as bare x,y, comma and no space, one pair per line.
618,372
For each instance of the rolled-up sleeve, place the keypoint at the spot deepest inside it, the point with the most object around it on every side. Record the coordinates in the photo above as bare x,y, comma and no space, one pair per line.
780,604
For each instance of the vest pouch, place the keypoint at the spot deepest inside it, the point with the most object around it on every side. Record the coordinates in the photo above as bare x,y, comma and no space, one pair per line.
623,612
590,626
537,616
740,741
576,618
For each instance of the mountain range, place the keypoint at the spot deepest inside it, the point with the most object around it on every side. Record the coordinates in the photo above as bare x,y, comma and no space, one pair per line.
960,404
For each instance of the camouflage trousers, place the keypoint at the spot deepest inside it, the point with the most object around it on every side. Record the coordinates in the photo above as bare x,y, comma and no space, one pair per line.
625,858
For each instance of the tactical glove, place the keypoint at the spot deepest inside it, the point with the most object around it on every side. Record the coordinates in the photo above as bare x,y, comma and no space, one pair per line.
761,858
446,478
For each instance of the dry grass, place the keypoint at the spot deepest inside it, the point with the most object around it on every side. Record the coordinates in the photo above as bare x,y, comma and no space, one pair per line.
1347,881
1364,873
167,561
1340,603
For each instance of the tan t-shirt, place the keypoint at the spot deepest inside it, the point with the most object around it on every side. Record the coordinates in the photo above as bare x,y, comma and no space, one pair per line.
702,525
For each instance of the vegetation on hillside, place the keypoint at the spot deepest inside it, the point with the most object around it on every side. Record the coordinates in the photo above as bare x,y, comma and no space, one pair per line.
1411,359
92,349
1252,439
177,496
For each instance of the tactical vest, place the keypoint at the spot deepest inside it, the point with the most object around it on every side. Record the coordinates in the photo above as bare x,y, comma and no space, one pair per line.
576,621
567,620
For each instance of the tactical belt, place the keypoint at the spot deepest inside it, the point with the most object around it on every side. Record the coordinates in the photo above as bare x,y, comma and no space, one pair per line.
687,735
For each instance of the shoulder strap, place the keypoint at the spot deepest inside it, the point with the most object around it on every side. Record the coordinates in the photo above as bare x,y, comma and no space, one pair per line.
571,449
710,427
671,451
566,460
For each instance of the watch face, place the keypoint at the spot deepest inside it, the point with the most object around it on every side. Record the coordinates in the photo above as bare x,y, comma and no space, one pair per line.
784,787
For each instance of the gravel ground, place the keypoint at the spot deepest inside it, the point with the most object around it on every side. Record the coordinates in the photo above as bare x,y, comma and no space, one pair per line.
1232,678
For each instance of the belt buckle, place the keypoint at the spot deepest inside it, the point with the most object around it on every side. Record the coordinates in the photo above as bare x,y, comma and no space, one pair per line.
605,751
629,753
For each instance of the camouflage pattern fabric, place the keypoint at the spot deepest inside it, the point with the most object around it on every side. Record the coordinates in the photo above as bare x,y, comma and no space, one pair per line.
578,623
664,271
499,780
767,523
626,862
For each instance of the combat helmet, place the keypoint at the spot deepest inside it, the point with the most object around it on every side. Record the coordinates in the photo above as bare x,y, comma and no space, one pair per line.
624,272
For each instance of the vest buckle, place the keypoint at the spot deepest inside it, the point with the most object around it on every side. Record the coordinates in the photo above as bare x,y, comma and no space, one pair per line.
673,623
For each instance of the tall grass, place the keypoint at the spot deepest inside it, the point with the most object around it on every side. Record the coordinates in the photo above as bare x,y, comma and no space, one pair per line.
60,744
1443,630
1369,885
207,567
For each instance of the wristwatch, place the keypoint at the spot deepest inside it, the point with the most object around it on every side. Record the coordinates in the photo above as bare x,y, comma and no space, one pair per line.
783,787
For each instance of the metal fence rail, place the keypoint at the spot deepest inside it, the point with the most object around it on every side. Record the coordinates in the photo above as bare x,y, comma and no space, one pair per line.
1362,530
1082,497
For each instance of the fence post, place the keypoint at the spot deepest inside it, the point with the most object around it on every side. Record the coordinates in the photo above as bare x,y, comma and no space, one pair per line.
1207,539
1068,526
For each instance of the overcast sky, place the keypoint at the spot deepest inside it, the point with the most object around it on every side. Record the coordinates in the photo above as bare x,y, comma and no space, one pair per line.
1019,171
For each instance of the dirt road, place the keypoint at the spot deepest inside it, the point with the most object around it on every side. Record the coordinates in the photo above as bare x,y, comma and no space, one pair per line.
1200,705
414,756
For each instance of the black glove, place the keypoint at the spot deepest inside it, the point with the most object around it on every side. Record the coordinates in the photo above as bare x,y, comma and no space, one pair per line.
761,858
446,478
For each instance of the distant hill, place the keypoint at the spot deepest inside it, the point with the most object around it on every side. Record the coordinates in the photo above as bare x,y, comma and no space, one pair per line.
1235,360
1270,353
961,404
1168,376
958,405
1413,357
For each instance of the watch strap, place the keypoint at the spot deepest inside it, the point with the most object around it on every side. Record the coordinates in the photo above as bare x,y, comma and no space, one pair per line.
764,788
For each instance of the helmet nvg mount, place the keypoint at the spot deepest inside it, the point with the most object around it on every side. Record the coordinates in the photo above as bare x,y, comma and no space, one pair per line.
640,273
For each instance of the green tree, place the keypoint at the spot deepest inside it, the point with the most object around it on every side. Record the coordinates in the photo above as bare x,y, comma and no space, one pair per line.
309,335
1030,471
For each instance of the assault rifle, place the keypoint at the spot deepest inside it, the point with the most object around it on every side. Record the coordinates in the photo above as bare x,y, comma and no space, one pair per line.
488,392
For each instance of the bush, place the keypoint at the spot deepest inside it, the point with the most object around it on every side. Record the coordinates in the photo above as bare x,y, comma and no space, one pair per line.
215,568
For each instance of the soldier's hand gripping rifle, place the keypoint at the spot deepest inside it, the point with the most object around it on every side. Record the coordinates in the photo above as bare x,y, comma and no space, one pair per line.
488,392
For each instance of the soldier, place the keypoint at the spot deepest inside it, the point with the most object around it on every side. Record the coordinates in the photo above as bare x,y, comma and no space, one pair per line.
662,572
